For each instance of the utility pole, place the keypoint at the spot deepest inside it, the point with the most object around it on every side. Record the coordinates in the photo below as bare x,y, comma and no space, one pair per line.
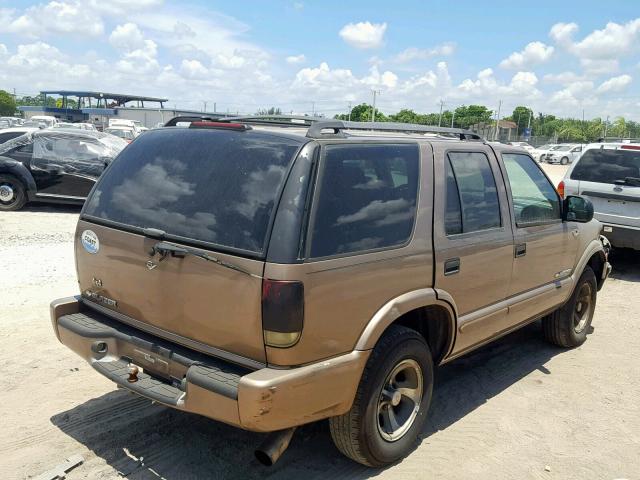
495,136
373,110
205,105
214,107
349,111
606,124
440,117
453,115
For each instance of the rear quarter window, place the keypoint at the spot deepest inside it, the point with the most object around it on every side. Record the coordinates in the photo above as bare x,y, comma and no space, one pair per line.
607,165
213,186
366,198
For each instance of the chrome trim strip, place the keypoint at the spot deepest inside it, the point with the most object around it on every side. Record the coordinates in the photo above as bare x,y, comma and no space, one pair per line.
53,195
187,342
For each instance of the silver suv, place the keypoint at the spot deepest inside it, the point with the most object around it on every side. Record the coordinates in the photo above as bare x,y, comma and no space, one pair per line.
609,175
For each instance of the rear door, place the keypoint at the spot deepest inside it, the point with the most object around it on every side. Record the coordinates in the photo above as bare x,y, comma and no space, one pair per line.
473,239
609,177
212,191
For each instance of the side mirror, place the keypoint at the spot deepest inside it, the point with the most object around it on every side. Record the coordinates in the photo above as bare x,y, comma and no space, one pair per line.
577,209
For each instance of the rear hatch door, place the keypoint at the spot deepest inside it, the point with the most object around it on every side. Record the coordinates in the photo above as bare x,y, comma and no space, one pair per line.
173,237
610,178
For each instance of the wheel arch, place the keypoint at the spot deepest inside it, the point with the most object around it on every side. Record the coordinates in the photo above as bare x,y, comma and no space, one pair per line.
420,310
9,166
597,262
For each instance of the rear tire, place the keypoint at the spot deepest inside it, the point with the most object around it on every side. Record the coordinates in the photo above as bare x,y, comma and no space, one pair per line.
568,326
384,423
564,161
13,194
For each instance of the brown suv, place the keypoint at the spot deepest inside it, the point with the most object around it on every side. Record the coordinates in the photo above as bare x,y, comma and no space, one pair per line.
269,275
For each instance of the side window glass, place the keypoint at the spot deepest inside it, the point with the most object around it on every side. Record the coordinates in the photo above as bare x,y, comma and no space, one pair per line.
477,196
453,210
534,198
367,196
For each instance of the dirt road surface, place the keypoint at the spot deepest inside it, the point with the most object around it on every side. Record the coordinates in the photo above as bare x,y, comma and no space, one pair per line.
517,409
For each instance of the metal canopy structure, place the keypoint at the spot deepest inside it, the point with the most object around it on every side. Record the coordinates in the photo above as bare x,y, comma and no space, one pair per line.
104,99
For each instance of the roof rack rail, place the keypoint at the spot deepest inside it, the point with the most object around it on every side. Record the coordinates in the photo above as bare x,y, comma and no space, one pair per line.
280,120
336,127
617,140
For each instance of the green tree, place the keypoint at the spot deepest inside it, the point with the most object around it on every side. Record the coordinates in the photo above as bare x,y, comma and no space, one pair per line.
7,104
362,113
468,115
521,117
36,101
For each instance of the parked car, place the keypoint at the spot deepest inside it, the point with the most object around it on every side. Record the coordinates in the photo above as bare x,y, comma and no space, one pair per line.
125,133
564,154
53,165
540,152
134,125
79,126
47,120
609,175
11,133
269,277
9,122
529,148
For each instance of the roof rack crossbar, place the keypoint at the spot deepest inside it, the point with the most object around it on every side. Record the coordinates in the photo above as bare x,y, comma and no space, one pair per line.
282,120
335,128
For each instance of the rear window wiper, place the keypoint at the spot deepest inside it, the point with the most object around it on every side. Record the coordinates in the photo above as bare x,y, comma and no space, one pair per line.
632,181
164,249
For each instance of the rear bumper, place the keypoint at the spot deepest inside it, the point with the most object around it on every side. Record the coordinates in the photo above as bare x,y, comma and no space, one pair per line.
622,236
263,400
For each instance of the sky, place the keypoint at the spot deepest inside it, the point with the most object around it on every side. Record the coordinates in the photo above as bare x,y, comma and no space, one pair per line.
310,56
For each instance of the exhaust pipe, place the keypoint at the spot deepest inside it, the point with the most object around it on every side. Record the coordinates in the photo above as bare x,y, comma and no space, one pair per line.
274,446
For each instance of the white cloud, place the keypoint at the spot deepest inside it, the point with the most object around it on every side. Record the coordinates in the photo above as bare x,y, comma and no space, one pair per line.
127,37
412,53
4,51
613,41
294,59
615,84
562,78
364,34
533,54
193,69
298,5
66,17
562,33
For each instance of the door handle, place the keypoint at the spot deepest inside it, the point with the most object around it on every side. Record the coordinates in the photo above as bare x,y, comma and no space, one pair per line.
520,250
451,266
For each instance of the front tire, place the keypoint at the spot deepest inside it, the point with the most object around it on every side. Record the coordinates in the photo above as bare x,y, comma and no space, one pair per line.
13,195
391,402
568,326
564,161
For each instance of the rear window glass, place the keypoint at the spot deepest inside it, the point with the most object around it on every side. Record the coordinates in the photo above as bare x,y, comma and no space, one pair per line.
607,166
211,186
367,198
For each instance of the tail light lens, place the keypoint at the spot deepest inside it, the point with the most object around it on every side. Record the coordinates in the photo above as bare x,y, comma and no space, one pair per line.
561,189
282,312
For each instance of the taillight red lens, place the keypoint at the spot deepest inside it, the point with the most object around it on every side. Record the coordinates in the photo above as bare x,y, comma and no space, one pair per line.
630,147
561,189
282,312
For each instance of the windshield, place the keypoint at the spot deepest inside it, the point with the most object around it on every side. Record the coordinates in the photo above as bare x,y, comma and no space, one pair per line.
119,132
217,187
607,166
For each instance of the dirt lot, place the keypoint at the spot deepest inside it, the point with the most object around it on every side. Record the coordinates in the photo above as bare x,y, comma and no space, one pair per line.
517,409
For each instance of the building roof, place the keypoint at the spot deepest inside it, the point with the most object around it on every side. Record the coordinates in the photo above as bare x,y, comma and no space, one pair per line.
119,97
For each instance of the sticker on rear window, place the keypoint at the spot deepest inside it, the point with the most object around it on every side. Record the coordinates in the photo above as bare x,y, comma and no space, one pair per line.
90,241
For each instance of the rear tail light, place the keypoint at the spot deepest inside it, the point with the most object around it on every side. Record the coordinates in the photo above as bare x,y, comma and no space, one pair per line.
282,312
561,189
630,147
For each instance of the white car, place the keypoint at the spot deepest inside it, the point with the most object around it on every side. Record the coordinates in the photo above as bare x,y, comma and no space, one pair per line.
540,152
563,154
125,133
609,175
47,120
529,148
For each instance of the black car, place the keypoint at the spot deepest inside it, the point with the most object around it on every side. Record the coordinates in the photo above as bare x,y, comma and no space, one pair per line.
53,165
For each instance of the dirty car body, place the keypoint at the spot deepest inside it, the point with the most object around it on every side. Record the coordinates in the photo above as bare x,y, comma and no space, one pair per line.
247,274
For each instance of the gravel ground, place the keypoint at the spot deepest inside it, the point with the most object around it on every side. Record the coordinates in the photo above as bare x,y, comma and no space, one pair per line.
518,408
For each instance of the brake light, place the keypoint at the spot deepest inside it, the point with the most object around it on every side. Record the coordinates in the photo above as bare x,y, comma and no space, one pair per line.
561,189
282,312
230,126
630,147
